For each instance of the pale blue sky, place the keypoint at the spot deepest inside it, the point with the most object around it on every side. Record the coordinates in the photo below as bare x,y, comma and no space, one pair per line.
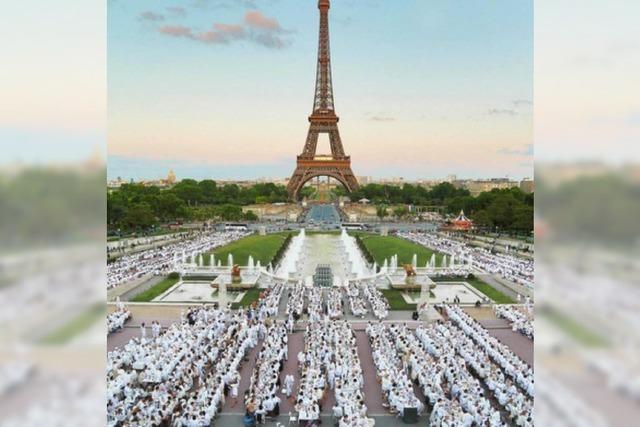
423,88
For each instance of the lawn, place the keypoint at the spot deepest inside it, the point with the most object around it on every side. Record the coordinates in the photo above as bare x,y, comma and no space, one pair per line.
497,296
396,301
249,298
262,248
384,247
75,326
156,290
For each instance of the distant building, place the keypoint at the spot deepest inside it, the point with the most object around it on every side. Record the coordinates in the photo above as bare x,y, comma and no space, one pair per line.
171,177
527,185
476,187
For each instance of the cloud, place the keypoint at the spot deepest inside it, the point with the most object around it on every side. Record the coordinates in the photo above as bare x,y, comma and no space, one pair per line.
502,112
223,4
382,119
255,27
522,103
255,19
176,31
151,16
525,150
177,11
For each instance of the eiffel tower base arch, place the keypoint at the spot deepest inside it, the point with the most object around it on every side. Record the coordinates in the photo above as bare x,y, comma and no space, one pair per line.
305,172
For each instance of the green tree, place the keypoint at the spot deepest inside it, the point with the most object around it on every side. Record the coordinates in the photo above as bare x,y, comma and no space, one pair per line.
381,211
139,216
400,212
169,206
250,216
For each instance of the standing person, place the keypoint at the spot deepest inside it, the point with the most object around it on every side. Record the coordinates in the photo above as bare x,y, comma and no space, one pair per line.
234,392
143,331
288,385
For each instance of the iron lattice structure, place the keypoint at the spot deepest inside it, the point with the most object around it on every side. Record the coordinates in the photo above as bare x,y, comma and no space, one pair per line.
323,120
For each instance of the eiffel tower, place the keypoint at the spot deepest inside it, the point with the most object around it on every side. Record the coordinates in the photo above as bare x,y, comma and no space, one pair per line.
336,165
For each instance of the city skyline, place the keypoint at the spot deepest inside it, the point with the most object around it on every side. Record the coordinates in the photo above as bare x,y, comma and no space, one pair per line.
223,89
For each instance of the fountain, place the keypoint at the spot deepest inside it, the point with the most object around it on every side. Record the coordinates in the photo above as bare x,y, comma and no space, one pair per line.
250,264
212,260
289,263
414,261
258,266
230,261
432,261
357,263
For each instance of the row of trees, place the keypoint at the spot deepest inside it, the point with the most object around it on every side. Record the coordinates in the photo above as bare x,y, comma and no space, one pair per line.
406,194
136,206
508,210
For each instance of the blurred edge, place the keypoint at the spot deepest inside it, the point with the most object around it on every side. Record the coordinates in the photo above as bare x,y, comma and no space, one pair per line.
52,213
587,208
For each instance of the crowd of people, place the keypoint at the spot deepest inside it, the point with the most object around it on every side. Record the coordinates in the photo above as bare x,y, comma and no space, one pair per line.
162,259
334,304
464,402
181,377
316,302
315,308
357,304
519,316
313,379
379,304
345,377
510,267
184,375
330,360
295,302
262,396
391,368
508,377
117,319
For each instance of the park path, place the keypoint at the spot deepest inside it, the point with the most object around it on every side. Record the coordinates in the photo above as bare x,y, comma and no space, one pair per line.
246,371
294,346
372,389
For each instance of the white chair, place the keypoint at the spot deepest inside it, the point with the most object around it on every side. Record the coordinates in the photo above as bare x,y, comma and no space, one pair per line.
292,419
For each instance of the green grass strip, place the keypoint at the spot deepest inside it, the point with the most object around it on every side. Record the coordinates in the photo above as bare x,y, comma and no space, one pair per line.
251,296
491,292
384,247
156,290
396,300
261,248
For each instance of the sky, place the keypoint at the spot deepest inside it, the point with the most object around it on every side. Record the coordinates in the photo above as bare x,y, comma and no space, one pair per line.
223,89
